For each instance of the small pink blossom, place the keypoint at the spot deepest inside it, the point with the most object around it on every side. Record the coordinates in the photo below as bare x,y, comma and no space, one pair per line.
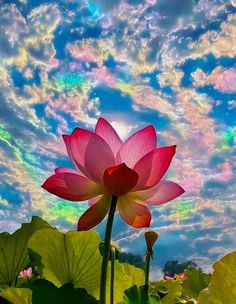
183,277
26,273
168,278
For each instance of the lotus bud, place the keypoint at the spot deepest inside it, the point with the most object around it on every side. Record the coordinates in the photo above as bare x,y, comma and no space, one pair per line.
112,245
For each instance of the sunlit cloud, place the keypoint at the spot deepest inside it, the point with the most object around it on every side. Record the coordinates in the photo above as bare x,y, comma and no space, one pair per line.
222,79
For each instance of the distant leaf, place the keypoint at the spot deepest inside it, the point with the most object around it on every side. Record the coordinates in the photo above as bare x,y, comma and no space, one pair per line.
13,250
74,258
222,289
153,299
195,282
44,292
171,290
137,295
17,295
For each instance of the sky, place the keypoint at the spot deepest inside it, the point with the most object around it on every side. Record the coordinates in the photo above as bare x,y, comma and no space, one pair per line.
168,63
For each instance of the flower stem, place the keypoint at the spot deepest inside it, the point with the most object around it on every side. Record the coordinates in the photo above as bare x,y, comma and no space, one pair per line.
16,279
147,268
106,253
113,252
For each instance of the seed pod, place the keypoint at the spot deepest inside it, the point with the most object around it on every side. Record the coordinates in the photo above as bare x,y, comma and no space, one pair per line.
150,237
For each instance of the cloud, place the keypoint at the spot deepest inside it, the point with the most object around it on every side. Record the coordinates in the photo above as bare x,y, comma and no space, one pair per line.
13,28
222,79
220,43
170,78
28,40
105,5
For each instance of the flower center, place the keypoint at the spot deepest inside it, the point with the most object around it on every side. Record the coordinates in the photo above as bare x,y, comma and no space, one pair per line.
120,179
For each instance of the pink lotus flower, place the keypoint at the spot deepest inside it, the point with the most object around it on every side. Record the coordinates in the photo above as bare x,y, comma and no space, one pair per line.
26,273
168,278
183,276
106,166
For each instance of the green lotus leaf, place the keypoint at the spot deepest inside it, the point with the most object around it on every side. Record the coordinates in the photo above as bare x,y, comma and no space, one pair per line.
16,295
68,258
222,289
13,250
196,282
138,295
74,258
44,292
137,275
170,290
125,276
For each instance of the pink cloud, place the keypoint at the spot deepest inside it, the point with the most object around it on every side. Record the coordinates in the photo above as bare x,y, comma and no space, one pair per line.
225,172
224,80
84,52
103,76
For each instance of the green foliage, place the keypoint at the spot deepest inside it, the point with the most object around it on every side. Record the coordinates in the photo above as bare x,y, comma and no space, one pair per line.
133,259
13,250
222,289
138,295
136,275
74,258
68,258
170,291
174,291
171,268
125,277
16,296
44,292
196,282
69,266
